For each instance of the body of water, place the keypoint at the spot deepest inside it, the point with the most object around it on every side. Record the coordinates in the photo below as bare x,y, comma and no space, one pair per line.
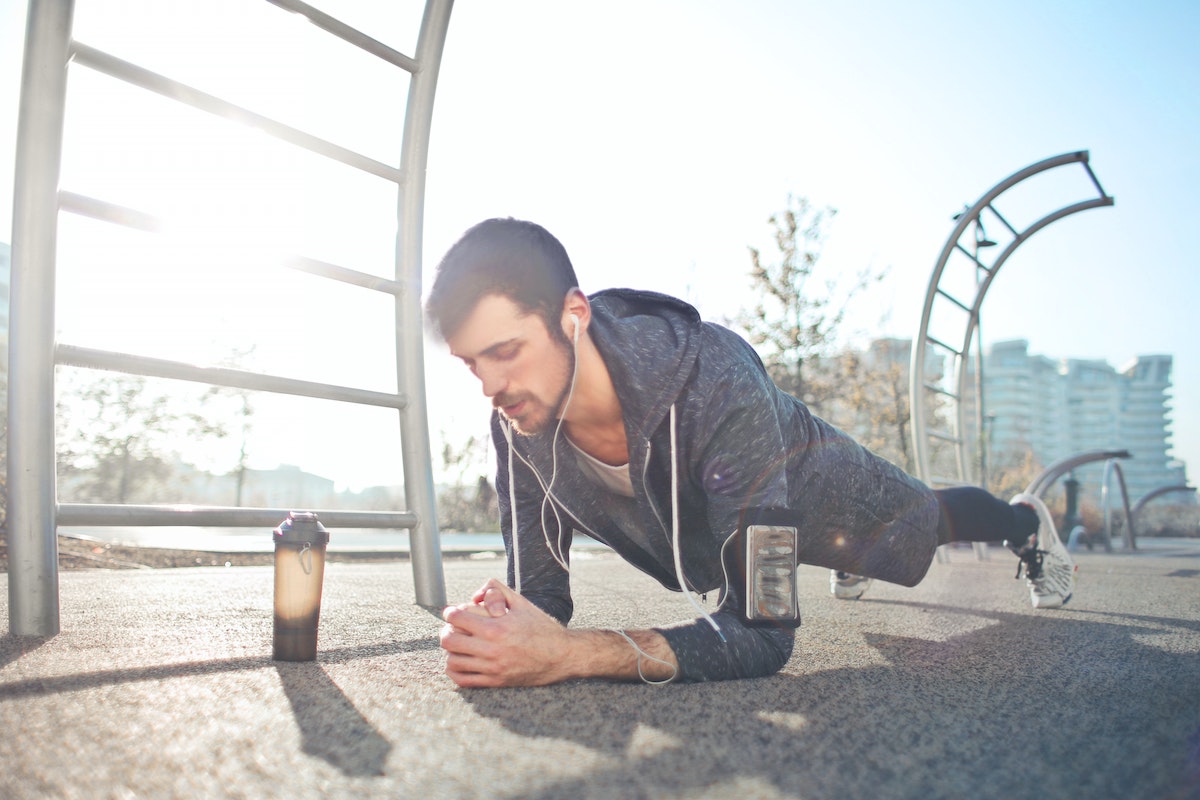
255,540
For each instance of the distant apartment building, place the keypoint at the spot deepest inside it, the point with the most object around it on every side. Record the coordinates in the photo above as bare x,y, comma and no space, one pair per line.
286,486
1059,408
1048,408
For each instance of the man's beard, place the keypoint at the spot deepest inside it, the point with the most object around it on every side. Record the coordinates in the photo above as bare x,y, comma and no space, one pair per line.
533,424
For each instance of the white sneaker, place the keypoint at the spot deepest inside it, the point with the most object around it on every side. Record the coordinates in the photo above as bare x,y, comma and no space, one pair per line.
1049,571
845,586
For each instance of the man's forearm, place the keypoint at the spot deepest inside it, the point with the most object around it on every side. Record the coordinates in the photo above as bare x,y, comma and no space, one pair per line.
621,655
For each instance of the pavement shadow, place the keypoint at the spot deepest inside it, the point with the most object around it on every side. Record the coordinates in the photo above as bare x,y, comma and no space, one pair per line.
331,728
33,687
13,647
1091,709
1172,622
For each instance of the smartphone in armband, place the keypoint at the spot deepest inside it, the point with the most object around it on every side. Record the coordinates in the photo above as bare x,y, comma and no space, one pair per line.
771,574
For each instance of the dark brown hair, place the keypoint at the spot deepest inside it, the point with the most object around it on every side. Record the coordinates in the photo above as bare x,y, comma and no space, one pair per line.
508,257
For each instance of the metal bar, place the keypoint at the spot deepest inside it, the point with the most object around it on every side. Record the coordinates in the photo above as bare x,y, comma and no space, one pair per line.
1148,496
938,389
973,257
945,437
954,300
1087,165
1000,217
1052,473
428,580
347,33
72,355
140,220
33,606
221,516
1066,211
1111,466
942,344
152,81
353,277
104,211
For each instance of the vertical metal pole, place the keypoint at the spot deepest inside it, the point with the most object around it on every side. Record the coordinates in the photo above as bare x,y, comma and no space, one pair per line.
979,410
980,548
32,529
428,579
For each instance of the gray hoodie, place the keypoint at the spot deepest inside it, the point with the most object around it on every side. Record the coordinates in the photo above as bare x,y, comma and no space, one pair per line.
740,443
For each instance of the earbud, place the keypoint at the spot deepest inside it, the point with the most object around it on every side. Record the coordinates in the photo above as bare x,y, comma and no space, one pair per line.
575,322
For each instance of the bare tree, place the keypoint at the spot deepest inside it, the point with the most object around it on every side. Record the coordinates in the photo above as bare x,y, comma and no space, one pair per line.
467,505
118,435
875,401
796,321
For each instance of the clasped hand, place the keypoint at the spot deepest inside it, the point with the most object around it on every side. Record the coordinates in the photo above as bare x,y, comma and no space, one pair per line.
502,639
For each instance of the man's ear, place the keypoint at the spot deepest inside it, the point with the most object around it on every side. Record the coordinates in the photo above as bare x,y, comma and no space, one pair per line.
577,313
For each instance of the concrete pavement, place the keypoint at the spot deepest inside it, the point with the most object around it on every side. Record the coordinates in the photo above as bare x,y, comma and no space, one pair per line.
161,685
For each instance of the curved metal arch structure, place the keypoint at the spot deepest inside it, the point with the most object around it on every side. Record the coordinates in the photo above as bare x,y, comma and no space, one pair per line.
1159,492
34,513
925,393
1050,474
1111,467
1132,513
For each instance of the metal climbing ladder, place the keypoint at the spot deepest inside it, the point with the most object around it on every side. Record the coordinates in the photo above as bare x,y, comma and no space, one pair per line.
954,297
34,512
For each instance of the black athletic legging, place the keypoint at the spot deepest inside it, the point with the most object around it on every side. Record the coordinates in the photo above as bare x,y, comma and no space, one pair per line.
970,514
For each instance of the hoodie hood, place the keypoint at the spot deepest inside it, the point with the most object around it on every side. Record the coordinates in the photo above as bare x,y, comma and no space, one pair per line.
650,343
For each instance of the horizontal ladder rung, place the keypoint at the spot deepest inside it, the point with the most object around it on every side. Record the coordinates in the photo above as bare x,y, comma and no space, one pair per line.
351,276
140,220
941,391
71,355
347,34
943,345
974,258
954,300
945,437
1003,221
75,514
174,90
105,211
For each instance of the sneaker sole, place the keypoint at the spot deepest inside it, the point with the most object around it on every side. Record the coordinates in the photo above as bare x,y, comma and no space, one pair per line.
1046,522
1052,601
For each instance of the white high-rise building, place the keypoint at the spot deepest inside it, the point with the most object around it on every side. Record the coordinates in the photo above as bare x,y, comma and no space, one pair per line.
1053,409
1057,409
1145,424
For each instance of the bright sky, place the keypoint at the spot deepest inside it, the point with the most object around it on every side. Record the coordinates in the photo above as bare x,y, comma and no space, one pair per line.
654,138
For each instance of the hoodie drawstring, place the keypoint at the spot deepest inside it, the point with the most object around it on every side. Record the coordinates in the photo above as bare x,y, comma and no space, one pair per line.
512,507
675,549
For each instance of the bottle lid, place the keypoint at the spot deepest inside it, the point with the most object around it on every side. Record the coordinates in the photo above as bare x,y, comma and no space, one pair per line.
300,527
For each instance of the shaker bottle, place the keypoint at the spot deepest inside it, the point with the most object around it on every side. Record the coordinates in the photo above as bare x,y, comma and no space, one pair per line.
300,542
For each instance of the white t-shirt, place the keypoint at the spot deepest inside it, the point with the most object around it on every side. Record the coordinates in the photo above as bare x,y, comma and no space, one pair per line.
615,479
